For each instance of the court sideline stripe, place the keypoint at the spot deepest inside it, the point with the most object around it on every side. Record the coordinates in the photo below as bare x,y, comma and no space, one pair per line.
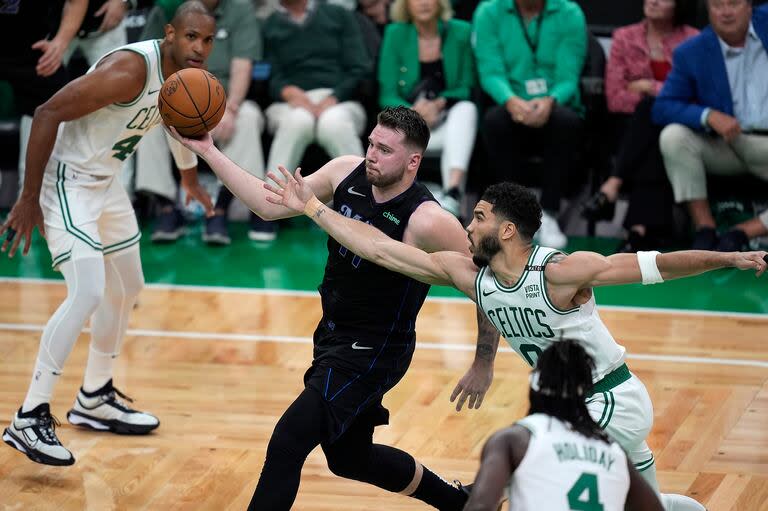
436,299
287,339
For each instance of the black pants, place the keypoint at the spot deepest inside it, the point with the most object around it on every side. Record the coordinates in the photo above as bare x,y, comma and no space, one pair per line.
640,165
29,89
556,142
304,426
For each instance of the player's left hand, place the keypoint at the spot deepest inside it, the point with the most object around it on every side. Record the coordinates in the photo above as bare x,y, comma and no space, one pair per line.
757,261
196,191
50,61
473,385
291,190
113,11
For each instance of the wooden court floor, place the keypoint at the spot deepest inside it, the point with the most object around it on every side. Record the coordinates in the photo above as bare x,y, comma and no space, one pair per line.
219,367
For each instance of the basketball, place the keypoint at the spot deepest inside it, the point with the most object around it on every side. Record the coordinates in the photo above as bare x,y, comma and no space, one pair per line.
193,101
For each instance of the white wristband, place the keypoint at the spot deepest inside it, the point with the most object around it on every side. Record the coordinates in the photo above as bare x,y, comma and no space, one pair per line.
648,269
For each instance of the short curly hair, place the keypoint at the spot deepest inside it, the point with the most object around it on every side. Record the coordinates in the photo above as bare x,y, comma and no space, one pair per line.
517,204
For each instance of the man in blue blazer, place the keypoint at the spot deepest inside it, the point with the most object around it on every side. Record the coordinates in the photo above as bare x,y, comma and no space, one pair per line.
715,106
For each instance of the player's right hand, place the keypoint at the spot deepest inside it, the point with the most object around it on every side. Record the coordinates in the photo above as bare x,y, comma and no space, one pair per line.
197,145
24,217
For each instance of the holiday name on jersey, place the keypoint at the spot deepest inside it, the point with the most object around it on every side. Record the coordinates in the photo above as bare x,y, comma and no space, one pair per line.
567,451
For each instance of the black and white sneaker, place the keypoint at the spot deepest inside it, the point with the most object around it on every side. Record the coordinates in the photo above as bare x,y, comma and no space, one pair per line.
33,433
103,411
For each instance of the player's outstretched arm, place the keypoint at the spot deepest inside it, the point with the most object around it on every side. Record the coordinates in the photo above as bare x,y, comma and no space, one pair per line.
118,78
501,455
589,269
441,268
250,189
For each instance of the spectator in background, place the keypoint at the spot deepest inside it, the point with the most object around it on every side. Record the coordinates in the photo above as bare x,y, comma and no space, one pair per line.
715,106
237,44
530,54
640,60
31,60
103,29
427,64
318,61
375,10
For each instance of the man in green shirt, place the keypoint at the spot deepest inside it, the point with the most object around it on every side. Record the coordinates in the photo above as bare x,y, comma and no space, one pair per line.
530,54
238,43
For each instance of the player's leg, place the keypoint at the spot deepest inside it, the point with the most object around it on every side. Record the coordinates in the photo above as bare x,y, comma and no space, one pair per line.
625,412
303,426
32,428
97,405
70,203
354,456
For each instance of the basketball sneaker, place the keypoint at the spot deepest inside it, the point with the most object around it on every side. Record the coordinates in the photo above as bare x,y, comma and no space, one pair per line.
103,411
34,434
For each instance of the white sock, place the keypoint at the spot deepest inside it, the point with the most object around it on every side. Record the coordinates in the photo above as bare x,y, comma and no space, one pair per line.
98,371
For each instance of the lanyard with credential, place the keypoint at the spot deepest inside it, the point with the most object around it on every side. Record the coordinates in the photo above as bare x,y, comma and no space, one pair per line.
533,45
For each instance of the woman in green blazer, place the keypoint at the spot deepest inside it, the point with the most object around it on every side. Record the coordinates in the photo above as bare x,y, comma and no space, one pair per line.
426,63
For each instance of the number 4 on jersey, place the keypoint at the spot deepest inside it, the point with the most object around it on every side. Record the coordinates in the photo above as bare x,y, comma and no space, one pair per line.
583,495
125,147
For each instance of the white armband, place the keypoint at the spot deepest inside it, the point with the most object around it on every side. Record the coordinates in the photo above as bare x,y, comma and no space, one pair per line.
648,268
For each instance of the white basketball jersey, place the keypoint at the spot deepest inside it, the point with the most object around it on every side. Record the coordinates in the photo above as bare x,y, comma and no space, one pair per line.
101,141
588,473
529,321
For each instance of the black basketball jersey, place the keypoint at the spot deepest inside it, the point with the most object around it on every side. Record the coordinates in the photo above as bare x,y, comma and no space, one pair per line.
358,294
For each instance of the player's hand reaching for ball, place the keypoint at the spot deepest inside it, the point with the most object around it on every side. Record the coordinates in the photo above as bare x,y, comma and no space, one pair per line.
757,261
291,191
197,145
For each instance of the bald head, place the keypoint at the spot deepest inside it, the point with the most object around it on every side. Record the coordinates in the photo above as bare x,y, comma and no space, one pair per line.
188,8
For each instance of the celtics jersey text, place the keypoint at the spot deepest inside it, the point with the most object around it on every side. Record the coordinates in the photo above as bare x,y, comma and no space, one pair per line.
563,470
529,321
100,142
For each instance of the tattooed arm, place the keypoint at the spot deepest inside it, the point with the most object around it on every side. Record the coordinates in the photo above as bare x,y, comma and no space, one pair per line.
477,380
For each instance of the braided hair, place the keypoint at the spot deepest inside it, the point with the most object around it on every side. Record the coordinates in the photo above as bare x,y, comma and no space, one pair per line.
561,382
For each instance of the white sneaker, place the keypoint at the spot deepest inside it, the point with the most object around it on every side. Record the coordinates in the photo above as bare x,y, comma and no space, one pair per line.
550,235
33,433
103,411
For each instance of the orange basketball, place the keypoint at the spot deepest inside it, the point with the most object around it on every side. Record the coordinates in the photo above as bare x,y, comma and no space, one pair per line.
193,101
